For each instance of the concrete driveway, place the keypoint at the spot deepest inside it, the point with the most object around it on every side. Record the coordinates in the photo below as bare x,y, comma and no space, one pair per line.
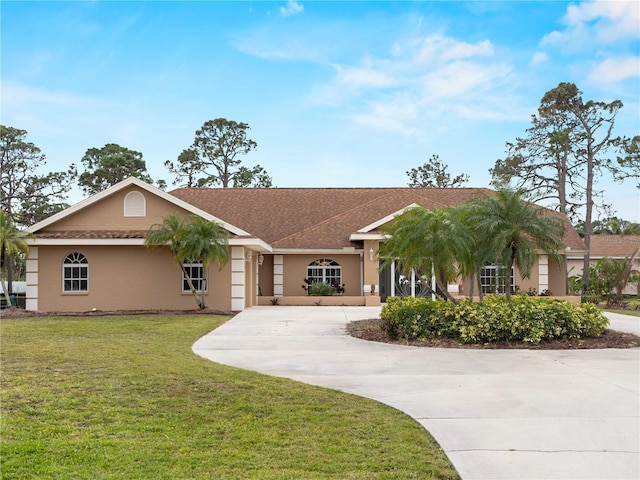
498,414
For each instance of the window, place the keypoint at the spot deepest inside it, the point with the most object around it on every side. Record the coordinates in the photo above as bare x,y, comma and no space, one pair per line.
493,279
196,272
134,205
326,271
75,273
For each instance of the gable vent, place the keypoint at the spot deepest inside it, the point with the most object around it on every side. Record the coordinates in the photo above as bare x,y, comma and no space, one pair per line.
134,205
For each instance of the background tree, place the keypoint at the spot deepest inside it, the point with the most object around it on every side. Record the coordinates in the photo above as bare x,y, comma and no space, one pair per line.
12,243
565,150
434,174
517,231
195,241
610,226
25,195
214,158
252,177
628,159
109,165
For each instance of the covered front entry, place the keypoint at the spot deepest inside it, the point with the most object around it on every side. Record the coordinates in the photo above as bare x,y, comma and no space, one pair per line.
394,283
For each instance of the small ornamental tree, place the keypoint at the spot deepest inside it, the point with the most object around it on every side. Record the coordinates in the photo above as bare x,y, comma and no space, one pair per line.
516,231
194,241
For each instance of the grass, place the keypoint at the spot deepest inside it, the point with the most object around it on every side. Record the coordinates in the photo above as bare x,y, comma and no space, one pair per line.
126,398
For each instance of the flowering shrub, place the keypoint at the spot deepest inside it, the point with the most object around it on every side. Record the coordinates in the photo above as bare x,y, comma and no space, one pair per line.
526,319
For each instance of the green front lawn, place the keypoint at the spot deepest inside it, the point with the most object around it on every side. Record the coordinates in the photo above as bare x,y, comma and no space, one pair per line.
126,398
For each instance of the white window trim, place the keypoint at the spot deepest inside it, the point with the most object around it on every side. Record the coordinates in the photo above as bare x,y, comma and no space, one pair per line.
183,279
333,265
64,278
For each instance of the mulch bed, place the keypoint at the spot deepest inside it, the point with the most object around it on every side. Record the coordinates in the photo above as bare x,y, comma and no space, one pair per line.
372,330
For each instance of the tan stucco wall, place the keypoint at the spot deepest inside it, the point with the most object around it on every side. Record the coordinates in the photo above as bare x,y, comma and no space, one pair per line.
556,278
265,275
108,214
124,278
295,271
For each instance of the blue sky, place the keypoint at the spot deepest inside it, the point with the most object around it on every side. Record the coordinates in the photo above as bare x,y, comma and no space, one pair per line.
336,93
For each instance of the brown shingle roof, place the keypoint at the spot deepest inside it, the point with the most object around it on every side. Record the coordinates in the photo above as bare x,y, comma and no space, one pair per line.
614,245
322,217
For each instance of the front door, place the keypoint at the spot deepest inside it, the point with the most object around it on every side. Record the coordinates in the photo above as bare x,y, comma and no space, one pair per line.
394,283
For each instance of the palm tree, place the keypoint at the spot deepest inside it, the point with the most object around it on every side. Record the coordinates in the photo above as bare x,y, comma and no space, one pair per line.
195,241
425,240
12,242
480,252
516,231
618,272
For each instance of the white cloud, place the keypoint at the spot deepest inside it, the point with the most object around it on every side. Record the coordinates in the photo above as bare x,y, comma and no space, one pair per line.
440,48
421,76
367,77
598,22
292,8
16,94
538,58
613,70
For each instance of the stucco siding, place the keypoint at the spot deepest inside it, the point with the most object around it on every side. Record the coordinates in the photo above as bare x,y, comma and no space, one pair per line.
295,271
109,214
265,275
124,278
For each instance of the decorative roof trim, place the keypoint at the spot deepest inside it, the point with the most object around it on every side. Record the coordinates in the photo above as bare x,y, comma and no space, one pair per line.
132,181
252,243
36,242
317,251
367,236
386,219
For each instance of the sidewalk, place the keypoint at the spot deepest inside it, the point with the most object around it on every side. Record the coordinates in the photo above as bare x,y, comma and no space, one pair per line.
498,414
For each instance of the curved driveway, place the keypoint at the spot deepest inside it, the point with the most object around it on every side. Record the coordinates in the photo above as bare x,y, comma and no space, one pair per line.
498,414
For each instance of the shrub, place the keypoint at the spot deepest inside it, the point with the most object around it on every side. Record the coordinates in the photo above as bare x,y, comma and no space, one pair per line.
321,289
526,319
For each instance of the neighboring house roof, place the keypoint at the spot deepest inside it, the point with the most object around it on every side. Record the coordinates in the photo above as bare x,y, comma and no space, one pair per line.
326,218
613,246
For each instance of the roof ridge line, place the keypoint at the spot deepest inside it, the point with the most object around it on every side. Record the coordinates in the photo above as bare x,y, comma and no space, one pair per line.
377,199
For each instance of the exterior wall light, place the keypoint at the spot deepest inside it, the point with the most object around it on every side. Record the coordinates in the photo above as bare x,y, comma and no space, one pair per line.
249,256
260,259
371,254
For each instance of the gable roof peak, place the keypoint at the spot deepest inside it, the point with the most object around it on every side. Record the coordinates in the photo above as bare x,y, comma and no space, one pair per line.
133,181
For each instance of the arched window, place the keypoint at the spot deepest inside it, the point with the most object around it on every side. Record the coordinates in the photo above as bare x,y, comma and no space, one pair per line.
134,205
325,270
75,273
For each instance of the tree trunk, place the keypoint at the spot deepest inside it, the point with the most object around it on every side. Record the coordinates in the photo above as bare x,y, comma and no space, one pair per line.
508,283
445,291
6,293
194,292
588,229
205,285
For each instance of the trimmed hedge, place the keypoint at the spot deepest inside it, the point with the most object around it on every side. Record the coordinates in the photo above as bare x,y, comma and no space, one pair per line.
527,319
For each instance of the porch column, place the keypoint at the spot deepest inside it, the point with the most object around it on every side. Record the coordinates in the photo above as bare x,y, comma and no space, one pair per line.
371,274
278,275
238,263
543,273
32,280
